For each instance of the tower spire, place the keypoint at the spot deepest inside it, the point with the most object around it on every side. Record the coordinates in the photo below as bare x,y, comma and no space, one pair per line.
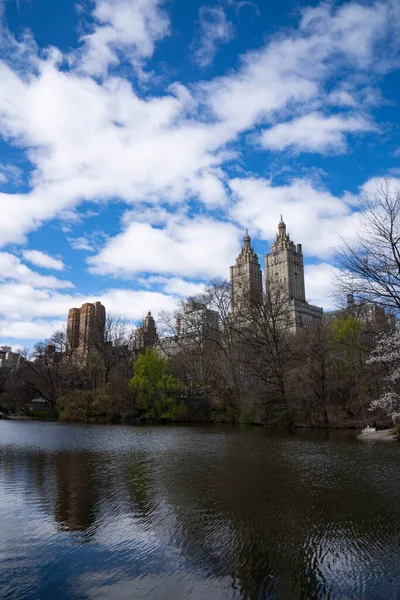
246,239
281,228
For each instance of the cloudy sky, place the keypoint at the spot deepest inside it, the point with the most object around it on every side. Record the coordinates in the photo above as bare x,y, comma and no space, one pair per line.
138,139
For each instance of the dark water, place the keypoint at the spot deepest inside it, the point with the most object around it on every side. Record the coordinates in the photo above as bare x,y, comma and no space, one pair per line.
199,513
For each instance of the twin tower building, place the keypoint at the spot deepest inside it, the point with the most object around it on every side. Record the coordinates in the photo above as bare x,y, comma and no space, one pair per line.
284,272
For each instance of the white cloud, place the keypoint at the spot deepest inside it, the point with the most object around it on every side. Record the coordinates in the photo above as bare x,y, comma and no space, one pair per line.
180,287
374,185
214,29
94,141
315,133
10,173
291,70
30,313
320,285
189,247
115,145
41,259
12,269
124,29
29,330
174,285
81,243
314,217
353,30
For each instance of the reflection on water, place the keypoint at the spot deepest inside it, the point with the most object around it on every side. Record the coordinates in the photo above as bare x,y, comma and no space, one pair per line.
190,512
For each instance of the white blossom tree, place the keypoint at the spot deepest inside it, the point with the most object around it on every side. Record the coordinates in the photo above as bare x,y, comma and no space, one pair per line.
387,355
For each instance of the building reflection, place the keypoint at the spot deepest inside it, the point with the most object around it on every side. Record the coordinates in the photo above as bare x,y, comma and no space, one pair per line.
77,491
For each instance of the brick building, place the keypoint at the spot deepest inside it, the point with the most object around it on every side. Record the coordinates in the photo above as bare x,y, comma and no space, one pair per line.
85,327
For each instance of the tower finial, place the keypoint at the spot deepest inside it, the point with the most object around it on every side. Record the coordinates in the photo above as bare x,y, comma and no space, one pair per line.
246,239
281,228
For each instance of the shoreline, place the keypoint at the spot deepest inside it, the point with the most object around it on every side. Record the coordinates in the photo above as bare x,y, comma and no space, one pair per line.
389,434
385,435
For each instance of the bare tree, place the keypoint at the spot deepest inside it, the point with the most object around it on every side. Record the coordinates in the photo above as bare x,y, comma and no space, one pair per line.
264,330
371,264
188,337
309,383
42,372
117,348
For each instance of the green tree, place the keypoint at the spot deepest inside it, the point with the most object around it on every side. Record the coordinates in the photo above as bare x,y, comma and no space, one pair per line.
156,388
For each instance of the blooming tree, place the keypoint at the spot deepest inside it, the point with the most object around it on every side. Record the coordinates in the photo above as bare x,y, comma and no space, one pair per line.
387,354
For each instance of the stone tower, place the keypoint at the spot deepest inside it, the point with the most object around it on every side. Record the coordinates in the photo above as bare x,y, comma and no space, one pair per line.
246,277
284,270
146,336
284,266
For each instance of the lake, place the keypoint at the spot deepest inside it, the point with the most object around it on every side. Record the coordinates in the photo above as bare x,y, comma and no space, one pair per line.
210,513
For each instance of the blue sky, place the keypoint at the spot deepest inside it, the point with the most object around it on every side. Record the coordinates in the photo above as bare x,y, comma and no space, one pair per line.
139,138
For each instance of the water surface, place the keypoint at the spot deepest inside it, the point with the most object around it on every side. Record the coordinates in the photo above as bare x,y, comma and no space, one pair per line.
196,512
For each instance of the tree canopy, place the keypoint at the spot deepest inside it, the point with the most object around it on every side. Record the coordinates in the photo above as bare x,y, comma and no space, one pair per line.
155,387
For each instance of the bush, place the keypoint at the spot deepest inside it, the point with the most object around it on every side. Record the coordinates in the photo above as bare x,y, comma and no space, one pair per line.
42,415
86,406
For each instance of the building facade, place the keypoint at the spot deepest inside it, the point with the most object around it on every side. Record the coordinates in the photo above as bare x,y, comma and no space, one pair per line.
197,322
86,327
245,278
369,313
284,273
146,336
8,359
196,325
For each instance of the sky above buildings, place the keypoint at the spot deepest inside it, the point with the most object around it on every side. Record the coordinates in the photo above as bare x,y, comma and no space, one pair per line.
139,138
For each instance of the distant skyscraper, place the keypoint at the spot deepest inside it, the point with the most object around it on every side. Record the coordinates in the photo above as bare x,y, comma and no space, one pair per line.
74,316
246,278
86,326
146,336
284,271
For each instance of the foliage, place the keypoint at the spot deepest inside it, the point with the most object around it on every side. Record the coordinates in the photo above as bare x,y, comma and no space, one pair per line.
42,415
87,405
156,388
347,331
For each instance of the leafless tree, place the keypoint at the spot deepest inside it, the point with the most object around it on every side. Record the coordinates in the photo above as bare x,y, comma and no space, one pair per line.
41,372
371,263
117,349
309,382
188,337
265,332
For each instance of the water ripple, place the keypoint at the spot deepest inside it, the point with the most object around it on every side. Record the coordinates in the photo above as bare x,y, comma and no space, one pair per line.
210,513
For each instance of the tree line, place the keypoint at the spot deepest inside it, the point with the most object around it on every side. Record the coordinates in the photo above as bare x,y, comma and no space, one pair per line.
250,367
